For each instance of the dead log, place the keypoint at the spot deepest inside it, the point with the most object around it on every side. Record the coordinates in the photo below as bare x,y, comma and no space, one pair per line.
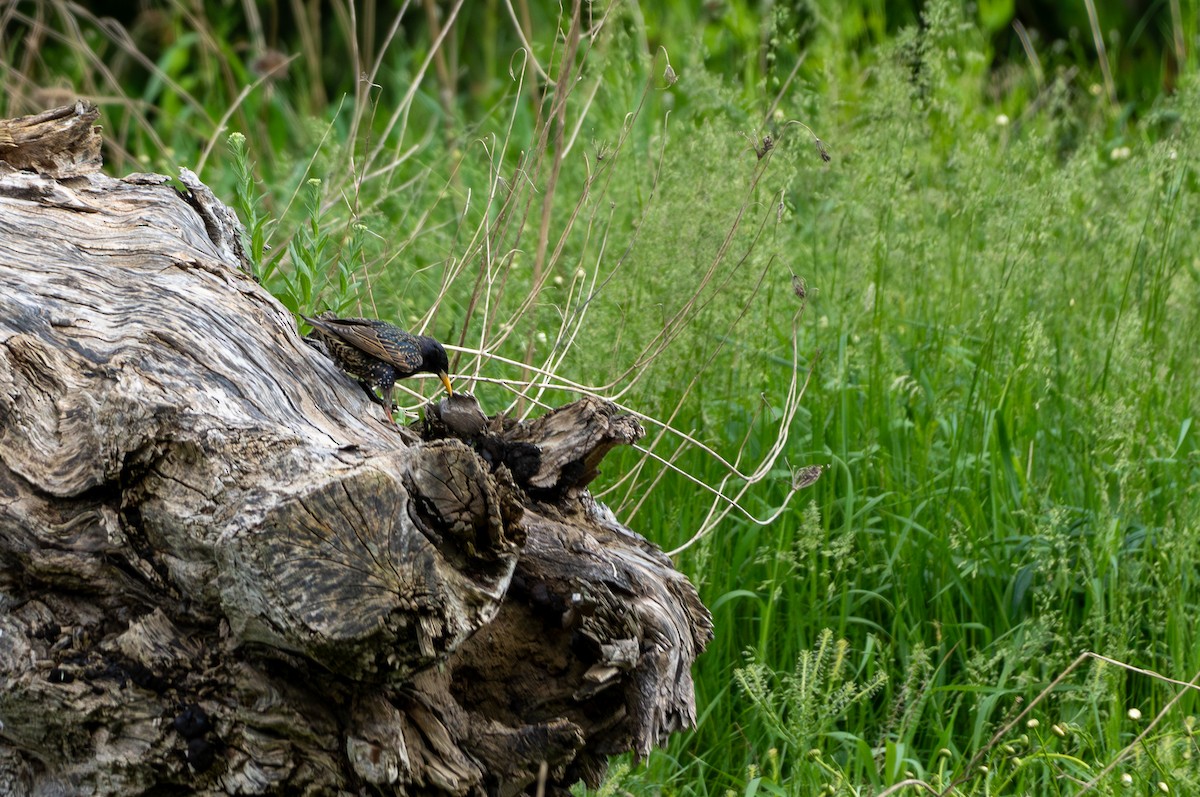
222,571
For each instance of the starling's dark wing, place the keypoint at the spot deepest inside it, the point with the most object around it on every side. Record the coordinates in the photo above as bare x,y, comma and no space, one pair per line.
377,339
396,347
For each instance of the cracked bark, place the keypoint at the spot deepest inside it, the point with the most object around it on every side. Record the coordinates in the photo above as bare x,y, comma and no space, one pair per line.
223,571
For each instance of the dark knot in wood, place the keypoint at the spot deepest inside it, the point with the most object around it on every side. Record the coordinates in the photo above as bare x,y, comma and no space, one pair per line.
548,456
459,507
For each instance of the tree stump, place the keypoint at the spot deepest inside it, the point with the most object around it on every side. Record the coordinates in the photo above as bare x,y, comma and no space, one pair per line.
222,571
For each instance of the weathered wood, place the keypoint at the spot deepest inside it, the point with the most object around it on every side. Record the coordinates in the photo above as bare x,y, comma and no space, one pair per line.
223,571
61,142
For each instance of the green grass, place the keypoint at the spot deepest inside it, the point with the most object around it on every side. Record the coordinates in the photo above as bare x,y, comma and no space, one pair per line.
998,335
1006,409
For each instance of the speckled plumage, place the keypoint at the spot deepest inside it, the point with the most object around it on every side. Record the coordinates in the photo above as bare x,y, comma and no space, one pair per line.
377,353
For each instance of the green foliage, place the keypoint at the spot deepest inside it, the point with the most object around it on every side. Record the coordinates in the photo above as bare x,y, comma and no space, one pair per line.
322,274
801,707
1002,299
248,203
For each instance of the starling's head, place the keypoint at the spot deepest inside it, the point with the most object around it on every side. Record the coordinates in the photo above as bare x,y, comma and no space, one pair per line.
435,361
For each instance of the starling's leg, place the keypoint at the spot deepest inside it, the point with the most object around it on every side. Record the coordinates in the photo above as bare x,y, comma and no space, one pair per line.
370,391
387,404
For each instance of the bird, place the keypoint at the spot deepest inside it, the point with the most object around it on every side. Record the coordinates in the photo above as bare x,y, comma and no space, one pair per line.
377,353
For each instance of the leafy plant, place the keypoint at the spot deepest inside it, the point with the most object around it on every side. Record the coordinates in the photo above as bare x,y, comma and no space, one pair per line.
801,707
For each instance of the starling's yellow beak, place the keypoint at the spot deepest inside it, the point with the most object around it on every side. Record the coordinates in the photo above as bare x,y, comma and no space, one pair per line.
442,375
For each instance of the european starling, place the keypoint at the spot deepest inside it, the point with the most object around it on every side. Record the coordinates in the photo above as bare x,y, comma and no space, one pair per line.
377,353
